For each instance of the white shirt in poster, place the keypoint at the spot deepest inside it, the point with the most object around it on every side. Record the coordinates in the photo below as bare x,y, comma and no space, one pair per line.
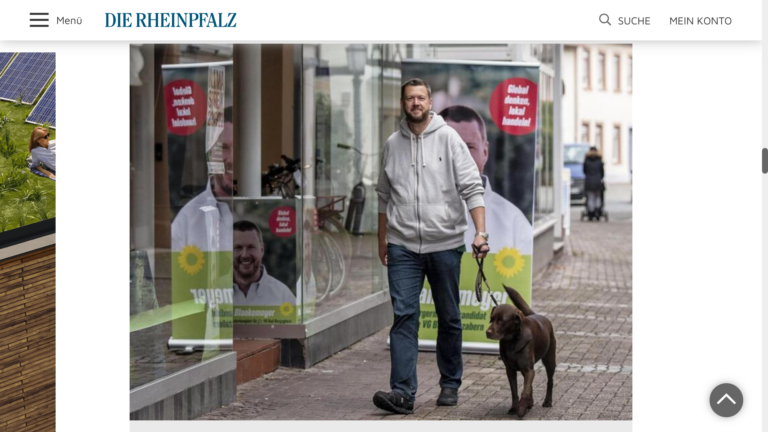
205,222
506,225
267,291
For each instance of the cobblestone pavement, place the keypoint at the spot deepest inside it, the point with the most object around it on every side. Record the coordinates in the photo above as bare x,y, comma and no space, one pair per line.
586,292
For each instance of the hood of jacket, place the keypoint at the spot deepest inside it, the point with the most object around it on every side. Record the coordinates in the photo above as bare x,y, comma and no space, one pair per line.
594,155
436,122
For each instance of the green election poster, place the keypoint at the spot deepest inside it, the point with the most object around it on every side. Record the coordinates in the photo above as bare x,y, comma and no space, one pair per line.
494,108
199,124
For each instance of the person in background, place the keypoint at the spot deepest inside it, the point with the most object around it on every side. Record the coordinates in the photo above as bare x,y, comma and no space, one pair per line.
42,152
593,183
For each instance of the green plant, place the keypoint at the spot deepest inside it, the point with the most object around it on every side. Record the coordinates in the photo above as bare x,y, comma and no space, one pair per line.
4,118
22,198
5,189
19,160
7,149
47,126
21,215
27,113
39,208
19,99
36,193
5,220
13,179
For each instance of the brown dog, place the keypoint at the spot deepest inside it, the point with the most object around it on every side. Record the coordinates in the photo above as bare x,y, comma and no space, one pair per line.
524,338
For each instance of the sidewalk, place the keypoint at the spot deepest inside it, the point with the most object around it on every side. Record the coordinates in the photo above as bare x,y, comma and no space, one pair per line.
586,293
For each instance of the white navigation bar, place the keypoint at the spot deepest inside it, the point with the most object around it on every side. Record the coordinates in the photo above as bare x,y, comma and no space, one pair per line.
300,21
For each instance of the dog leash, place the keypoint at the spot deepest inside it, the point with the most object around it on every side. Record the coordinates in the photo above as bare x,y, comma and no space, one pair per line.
480,279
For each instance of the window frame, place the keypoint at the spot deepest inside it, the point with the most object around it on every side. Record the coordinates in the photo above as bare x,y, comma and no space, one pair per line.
599,130
585,54
616,156
588,124
601,65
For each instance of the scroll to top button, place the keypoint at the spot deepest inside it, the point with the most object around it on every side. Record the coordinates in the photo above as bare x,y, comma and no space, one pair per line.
726,400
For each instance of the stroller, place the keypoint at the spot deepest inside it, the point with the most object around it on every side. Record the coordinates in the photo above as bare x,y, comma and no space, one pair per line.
596,213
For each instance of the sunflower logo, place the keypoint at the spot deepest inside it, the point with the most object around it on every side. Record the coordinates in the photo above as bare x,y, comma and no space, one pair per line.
191,259
509,262
286,309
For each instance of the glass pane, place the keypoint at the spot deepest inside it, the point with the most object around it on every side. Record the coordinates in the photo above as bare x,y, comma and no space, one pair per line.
181,220
346,108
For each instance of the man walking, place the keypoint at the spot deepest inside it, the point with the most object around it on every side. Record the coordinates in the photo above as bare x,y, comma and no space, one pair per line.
426,173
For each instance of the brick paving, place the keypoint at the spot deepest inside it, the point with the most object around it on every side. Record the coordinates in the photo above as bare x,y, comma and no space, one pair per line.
586,293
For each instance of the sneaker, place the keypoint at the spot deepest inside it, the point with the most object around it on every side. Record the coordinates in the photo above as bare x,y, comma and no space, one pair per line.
393,402
448,397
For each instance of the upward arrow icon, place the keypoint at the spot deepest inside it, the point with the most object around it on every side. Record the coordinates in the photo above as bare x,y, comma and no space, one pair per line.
726,396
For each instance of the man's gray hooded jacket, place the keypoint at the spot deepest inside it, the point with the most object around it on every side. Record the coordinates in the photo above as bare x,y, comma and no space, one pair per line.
422,182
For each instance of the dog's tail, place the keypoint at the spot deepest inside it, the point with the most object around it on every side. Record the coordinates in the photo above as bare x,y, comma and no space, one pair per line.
518,301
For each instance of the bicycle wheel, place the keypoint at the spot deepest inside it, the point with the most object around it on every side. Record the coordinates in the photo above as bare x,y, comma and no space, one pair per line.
335,229
321,268
337,262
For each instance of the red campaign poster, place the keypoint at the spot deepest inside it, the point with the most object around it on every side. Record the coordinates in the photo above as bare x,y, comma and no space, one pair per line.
282,221
185,107
513,106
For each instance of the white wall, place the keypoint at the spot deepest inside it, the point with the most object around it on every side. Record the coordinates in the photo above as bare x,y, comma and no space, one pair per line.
595,105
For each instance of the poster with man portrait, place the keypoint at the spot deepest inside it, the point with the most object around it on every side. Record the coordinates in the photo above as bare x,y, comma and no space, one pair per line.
493,106
199,126
267,283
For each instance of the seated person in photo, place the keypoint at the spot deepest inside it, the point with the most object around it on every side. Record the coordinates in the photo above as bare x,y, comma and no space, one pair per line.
42,152
253,286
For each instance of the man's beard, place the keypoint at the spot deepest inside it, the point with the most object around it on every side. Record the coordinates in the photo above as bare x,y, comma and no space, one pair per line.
413,119
254,268
222,185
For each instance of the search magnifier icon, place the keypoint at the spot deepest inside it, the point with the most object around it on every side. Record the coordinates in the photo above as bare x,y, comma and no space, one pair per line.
605,19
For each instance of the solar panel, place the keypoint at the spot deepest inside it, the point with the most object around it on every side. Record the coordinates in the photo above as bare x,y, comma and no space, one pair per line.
45,110
26,76
5,58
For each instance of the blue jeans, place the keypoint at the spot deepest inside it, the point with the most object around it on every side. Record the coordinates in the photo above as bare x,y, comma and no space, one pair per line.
406,271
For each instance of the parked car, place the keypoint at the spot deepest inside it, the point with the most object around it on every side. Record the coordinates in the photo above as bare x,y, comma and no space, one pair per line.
574,161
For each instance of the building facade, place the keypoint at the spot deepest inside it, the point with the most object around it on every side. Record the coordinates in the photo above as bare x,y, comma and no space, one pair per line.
597,103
